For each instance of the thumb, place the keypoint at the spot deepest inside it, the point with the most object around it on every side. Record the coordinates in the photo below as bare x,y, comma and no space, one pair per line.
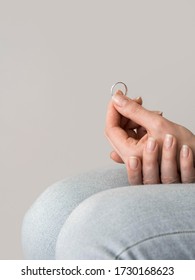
134,111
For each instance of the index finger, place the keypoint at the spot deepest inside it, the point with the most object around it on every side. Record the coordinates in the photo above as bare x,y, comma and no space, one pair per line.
132,110
116,135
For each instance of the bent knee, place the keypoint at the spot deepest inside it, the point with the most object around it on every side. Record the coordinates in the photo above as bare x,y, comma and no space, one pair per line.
44,219
124,223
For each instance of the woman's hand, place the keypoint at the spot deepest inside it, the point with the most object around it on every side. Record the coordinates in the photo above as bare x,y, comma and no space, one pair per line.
149,171
122,109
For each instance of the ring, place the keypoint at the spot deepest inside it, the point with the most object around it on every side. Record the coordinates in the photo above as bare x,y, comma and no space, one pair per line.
126,89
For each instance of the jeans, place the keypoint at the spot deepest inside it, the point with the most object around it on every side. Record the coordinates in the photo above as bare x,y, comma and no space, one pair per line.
97,215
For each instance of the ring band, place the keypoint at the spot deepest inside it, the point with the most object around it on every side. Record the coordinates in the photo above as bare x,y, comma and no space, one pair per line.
112,88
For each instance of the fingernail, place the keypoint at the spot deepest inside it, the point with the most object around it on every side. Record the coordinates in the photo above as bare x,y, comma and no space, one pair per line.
133,162
160,113
168,140
138,98
185,151
151,144
119,99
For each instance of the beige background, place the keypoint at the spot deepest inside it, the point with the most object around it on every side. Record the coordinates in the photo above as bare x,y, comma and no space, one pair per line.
58,60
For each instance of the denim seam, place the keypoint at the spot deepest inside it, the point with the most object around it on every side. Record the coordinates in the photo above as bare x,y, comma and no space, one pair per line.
153,237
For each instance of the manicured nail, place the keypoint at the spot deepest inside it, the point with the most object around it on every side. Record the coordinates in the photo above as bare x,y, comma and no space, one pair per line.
158,112
133,162
120,99
185,151
168,140
151,144
139,100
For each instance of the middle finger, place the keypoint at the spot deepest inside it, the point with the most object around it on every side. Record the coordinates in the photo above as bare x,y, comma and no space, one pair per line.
150,162
169,169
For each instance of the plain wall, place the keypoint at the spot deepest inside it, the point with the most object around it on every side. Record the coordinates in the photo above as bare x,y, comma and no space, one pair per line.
58,60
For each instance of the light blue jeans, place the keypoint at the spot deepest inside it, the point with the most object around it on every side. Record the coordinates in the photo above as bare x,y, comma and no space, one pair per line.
97,215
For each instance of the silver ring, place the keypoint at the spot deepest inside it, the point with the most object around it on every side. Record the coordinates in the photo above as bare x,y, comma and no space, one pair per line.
112,88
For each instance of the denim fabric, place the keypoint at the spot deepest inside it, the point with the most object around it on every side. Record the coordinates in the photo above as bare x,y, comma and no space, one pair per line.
98,216
45,218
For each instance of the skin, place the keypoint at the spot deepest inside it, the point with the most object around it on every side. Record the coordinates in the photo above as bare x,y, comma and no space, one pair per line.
150,172
145,141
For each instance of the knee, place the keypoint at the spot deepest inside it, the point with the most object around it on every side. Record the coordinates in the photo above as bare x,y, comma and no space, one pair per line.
44,219
85,233
46,216
130,223
97,228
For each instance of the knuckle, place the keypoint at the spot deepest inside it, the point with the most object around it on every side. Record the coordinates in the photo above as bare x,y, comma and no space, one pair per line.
158,122
188,180
150,181
133,179
170,180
